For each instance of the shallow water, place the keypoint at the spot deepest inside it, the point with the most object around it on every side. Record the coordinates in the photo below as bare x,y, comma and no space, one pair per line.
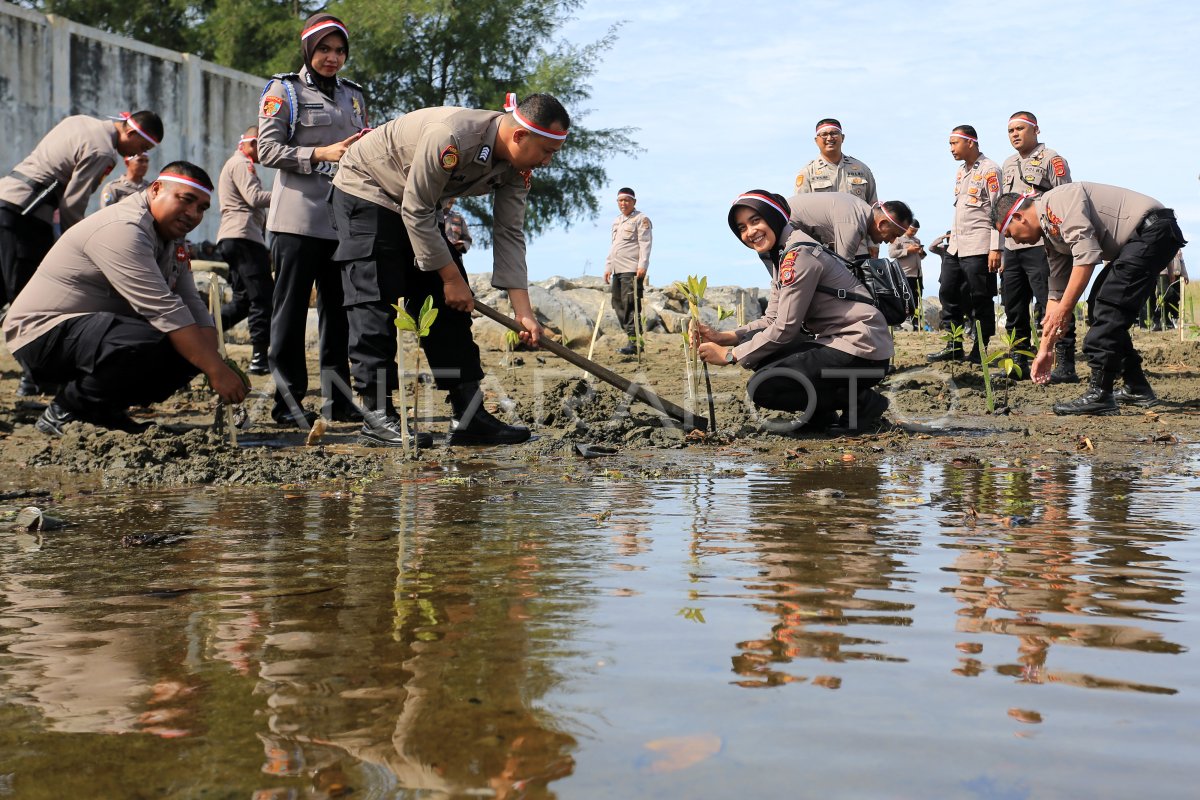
949,631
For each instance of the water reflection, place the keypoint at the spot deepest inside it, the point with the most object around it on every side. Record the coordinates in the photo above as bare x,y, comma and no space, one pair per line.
823,556
1052,558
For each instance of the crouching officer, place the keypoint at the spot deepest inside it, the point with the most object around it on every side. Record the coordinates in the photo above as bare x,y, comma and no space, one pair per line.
849,345
61,174
113,314
390,245
1083,224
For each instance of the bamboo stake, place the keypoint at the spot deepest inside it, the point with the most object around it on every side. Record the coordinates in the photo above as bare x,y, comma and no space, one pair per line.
596,330
214,306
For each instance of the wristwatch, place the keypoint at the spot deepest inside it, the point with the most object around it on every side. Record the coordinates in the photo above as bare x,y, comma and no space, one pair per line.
730,358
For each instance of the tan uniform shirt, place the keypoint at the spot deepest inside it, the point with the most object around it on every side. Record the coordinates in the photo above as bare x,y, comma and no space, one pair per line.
850,176
112,261
910,263
243,200
299,196
118,190
795,305
938,248
838,221
631,239
1086,223
976,187
457,230
1039,173
412,164
78,153
1176,269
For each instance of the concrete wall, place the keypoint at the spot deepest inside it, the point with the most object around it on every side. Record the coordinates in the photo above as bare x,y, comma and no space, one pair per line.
52,68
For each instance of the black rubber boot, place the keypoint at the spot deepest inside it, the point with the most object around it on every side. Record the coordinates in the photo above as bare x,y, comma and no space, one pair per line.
1064,364
473,425
1097,401
28,388
382,429
258,362
53,419
868,414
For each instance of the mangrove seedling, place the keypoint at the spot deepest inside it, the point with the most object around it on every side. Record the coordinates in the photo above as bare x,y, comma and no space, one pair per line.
1005,359
983,365
693,289
420,329
954,336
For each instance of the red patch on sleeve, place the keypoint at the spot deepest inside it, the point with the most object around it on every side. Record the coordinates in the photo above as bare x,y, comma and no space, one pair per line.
449,157
271,106
1059,166
527,174
1054,218
993,181
787,269
181,257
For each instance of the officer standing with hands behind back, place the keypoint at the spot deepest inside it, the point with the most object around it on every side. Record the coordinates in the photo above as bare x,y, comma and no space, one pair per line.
627,262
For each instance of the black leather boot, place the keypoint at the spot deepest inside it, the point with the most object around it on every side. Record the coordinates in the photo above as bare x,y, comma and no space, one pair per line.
1097,401
1064,364
473,425
382,429
258,362
1136,389
951,352
868,414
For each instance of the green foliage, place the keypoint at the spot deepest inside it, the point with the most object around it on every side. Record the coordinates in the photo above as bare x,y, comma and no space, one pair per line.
984,360
405,322
955,335
511,339
1005,358
724,313
693,289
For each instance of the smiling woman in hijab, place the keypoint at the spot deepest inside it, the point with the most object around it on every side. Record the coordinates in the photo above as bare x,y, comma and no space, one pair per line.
306,121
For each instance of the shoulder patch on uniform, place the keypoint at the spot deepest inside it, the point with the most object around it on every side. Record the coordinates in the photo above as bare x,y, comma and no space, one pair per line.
1054,218
993,182
181,258
527,174
271,105
448,157
645,222
799,180
787,269
485,153
1059,166
250,166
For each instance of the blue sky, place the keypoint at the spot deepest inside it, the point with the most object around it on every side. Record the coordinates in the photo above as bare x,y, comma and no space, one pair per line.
725,96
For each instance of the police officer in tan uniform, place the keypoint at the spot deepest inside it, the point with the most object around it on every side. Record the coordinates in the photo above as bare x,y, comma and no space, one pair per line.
112,313
61,174
1034,169
833,171
807,331
306,122
1083,224
131,182
386,198
968,279
240,240
847,225
627,262
458,232
908,253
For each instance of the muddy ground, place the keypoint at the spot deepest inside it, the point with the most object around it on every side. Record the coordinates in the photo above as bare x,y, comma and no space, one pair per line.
938,413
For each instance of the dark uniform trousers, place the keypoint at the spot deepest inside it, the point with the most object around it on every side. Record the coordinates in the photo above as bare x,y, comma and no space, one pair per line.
106,363
966,290
1026,278
378,268
623,287
250,276
1121,289
24,242
783,384
916,286
301,261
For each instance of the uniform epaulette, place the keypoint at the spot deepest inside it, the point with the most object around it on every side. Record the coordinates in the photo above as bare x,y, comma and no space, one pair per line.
282,75
351,83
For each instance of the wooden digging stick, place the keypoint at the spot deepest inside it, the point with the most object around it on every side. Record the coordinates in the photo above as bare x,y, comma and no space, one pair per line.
636,391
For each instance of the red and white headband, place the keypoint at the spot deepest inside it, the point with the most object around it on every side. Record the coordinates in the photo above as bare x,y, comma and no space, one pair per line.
192,182
245,139
626,194
961,135
762,198
828,126
125,116
890,218
1016,207
510,105
320,26
1026,120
